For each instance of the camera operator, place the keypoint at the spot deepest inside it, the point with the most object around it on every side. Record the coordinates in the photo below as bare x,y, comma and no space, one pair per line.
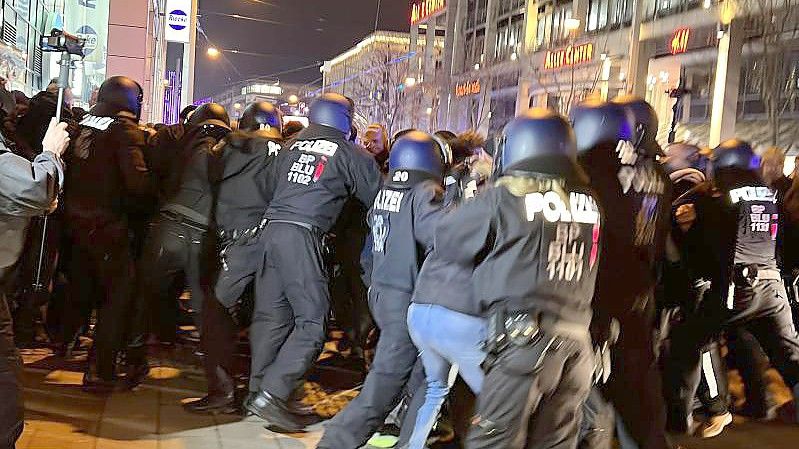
26,190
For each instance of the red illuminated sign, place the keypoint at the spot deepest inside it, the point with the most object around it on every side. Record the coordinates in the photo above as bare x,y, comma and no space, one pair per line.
569,56
426,8
467,88
679,41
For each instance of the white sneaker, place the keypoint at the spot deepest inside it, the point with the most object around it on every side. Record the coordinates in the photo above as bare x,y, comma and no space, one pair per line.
714,426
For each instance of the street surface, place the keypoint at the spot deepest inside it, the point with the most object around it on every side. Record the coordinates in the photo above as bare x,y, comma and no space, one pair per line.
61,416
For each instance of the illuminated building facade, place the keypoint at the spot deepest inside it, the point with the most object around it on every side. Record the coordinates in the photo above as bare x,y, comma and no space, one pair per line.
551,53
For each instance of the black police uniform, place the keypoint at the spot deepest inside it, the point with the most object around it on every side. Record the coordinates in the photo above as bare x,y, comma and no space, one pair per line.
315,176
535,270
634,193
402,219
732,246
107,180
178,245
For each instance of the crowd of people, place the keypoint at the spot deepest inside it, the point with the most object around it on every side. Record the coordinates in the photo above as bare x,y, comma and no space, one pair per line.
580,280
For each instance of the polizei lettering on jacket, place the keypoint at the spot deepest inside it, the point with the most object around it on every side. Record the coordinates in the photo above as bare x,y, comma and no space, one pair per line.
323,147
752,194
100,123
581,209
388,200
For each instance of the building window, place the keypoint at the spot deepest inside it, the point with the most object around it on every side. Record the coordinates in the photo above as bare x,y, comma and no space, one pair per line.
597,14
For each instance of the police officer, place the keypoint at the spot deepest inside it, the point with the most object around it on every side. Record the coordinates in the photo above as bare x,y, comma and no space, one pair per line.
531,241
402,220
618,150
176,245
242,193
732,237
106,182
315,175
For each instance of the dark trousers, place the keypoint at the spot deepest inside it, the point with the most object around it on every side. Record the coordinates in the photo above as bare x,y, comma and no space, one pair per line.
713,390
174,256
11,422
100,273
524,407
596,430
218,341
292,303
762,309
394,360
747,356
634,387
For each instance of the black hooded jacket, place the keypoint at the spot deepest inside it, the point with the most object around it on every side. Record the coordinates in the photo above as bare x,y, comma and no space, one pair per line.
246,185
187,190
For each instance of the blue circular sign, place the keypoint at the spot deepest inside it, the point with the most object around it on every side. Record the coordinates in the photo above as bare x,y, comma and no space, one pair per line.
178,19
90,36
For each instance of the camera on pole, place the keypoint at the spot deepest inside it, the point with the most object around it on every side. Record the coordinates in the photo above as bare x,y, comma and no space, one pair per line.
68,45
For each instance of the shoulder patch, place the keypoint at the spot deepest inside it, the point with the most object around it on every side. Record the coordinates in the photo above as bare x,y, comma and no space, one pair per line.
101,123
273,148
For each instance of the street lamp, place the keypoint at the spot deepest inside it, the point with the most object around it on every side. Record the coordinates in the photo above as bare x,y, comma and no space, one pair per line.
293,99
428,111
213,52
410,81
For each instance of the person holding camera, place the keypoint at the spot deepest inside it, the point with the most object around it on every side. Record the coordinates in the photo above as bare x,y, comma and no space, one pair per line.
27,189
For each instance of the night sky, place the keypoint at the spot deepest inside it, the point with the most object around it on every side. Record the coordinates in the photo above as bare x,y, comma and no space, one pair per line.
308,31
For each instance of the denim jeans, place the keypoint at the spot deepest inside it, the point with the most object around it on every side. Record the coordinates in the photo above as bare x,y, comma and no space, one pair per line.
449,343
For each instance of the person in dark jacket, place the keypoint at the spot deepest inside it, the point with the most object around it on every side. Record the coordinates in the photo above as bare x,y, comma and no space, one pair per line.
242,191
402,220
27,189
178,245
634,193
732,233
316,175
98,201
532,240
32,126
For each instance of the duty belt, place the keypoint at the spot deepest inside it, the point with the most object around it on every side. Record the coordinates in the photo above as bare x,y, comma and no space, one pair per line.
182,219
750,274
522,328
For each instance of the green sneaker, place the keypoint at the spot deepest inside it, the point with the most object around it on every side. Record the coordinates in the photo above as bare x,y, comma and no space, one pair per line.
382,441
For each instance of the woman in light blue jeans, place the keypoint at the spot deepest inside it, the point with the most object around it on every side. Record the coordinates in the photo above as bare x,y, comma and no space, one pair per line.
449,343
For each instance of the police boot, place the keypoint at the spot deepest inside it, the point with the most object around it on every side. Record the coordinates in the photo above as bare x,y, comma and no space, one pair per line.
274,412
220,398
97,380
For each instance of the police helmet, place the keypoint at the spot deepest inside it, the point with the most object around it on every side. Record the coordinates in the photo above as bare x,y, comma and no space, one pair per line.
538,141
262,115
735,154
598,123
118,94
210,114
419,152
646,124
332,110
212,119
